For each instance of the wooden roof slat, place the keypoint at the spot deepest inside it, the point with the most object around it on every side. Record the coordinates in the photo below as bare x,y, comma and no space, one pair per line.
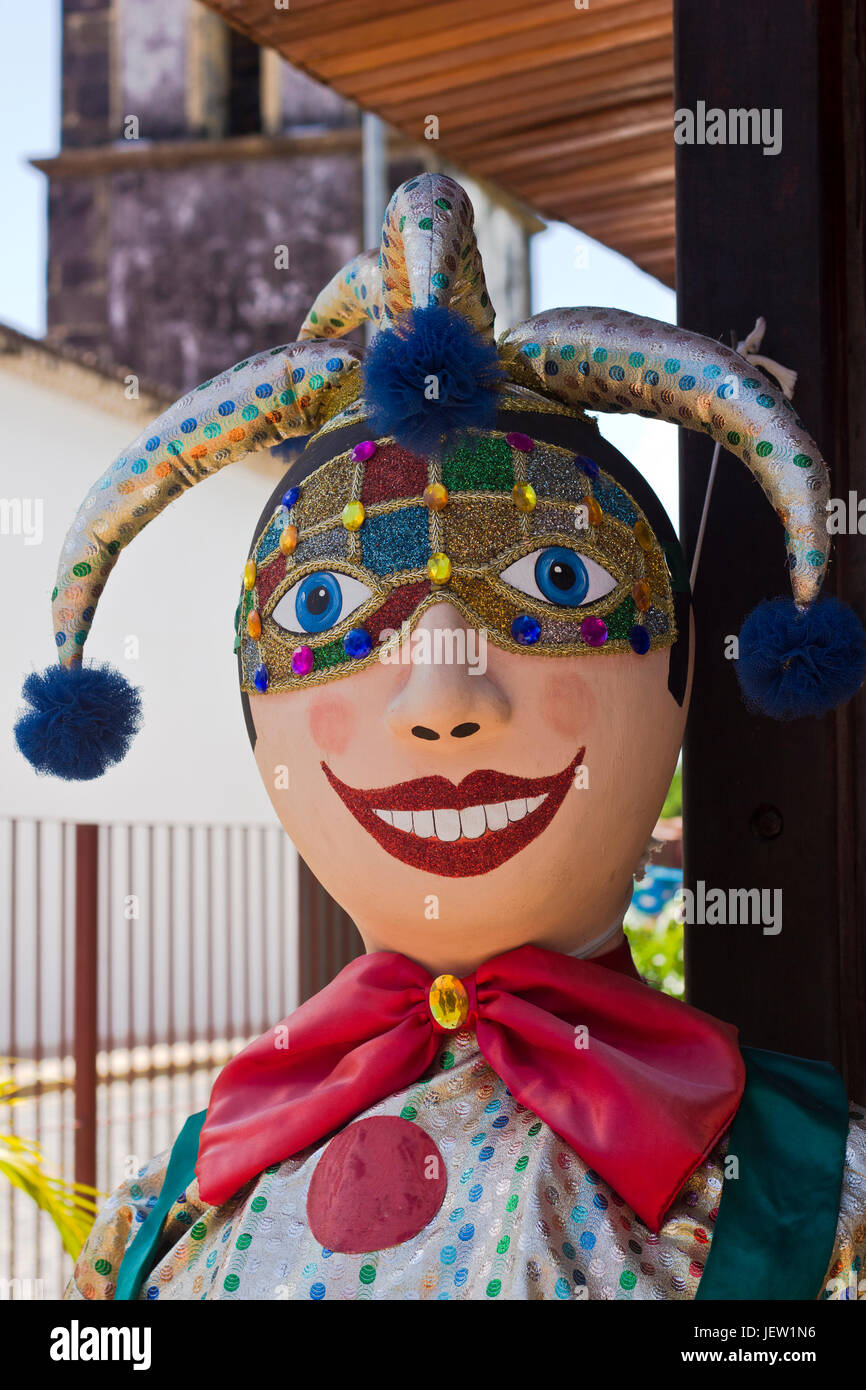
495,134
596,132
307,20
613,200
553,101
466,32
570,111
485,63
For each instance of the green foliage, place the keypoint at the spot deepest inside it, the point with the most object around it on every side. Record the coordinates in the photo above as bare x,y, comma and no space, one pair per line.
674,800
70,1205
657,949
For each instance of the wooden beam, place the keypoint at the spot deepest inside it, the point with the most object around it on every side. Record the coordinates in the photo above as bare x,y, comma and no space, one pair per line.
769,805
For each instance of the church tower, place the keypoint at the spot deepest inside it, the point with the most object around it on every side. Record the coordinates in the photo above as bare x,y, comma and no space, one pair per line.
204,192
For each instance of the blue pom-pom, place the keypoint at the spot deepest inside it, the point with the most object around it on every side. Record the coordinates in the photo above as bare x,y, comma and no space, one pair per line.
79,720
795,663
430,377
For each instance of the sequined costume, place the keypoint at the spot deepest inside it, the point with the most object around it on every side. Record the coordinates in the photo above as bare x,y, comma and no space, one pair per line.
523,1218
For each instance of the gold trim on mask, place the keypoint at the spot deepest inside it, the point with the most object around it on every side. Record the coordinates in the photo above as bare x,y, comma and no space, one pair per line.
483,532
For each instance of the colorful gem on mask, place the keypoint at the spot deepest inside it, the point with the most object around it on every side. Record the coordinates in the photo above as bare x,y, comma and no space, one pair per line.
526,630
254,625
521,442
288,539
593,632
524,496
587,466
642,595
640,640
449,1002
643,535
363,451
302,661
290,498
439,568
249,574
353,514
435,496
260,679
594,514
358,643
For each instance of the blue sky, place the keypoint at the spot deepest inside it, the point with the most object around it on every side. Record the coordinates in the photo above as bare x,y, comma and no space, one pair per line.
29,126
567,267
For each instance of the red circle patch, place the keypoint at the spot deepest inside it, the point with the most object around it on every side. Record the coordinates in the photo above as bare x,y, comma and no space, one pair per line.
379,1182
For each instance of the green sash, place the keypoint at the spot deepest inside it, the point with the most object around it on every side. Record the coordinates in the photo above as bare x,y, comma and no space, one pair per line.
777,1219
138,1260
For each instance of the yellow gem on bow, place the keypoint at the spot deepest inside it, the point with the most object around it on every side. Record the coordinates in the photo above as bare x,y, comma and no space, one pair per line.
594,514
642,595
435,496
524,496
249,574
449,1002
439,568
254,625
353,515
643,535
288,539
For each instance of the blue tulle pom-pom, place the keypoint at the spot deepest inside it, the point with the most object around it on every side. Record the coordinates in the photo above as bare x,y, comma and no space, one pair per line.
78,720
430,377
795,663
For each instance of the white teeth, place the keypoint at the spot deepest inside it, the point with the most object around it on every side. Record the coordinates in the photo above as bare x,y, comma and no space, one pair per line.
473,822
422,823
447,824
497,816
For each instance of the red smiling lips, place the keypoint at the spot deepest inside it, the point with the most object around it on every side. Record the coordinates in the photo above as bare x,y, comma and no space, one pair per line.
458,829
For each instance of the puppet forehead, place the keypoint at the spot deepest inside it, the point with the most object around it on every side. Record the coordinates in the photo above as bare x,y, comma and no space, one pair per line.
401,532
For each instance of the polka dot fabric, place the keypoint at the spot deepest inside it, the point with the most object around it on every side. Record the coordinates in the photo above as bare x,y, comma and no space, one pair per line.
428,257
258,403
606,359
523,1218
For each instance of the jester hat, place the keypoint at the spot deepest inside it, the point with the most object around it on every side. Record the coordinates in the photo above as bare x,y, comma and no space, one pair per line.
441,465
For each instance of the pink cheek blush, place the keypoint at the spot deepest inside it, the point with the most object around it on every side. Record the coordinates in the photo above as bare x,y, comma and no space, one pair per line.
568,706
332,722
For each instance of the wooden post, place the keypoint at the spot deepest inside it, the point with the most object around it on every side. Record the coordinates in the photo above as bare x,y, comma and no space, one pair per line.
86,985
770,805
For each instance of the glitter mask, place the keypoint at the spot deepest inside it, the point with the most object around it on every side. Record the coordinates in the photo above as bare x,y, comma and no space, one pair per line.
522,518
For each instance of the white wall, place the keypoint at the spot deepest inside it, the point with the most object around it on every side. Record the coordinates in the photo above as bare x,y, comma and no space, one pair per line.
175,588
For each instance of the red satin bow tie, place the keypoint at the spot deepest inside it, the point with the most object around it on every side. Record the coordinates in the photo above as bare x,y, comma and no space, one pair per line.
639,1085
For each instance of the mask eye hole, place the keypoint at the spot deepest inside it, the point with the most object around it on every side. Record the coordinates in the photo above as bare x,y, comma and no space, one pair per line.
319,601
560,576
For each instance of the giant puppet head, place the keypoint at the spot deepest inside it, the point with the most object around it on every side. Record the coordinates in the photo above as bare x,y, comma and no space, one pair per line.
464,627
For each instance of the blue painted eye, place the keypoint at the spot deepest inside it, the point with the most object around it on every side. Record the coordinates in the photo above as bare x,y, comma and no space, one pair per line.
559,575
319,602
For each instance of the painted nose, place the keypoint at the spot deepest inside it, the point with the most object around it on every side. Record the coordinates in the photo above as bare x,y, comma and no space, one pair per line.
449,695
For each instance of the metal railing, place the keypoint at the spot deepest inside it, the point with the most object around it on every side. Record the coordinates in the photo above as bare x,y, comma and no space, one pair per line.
134,961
